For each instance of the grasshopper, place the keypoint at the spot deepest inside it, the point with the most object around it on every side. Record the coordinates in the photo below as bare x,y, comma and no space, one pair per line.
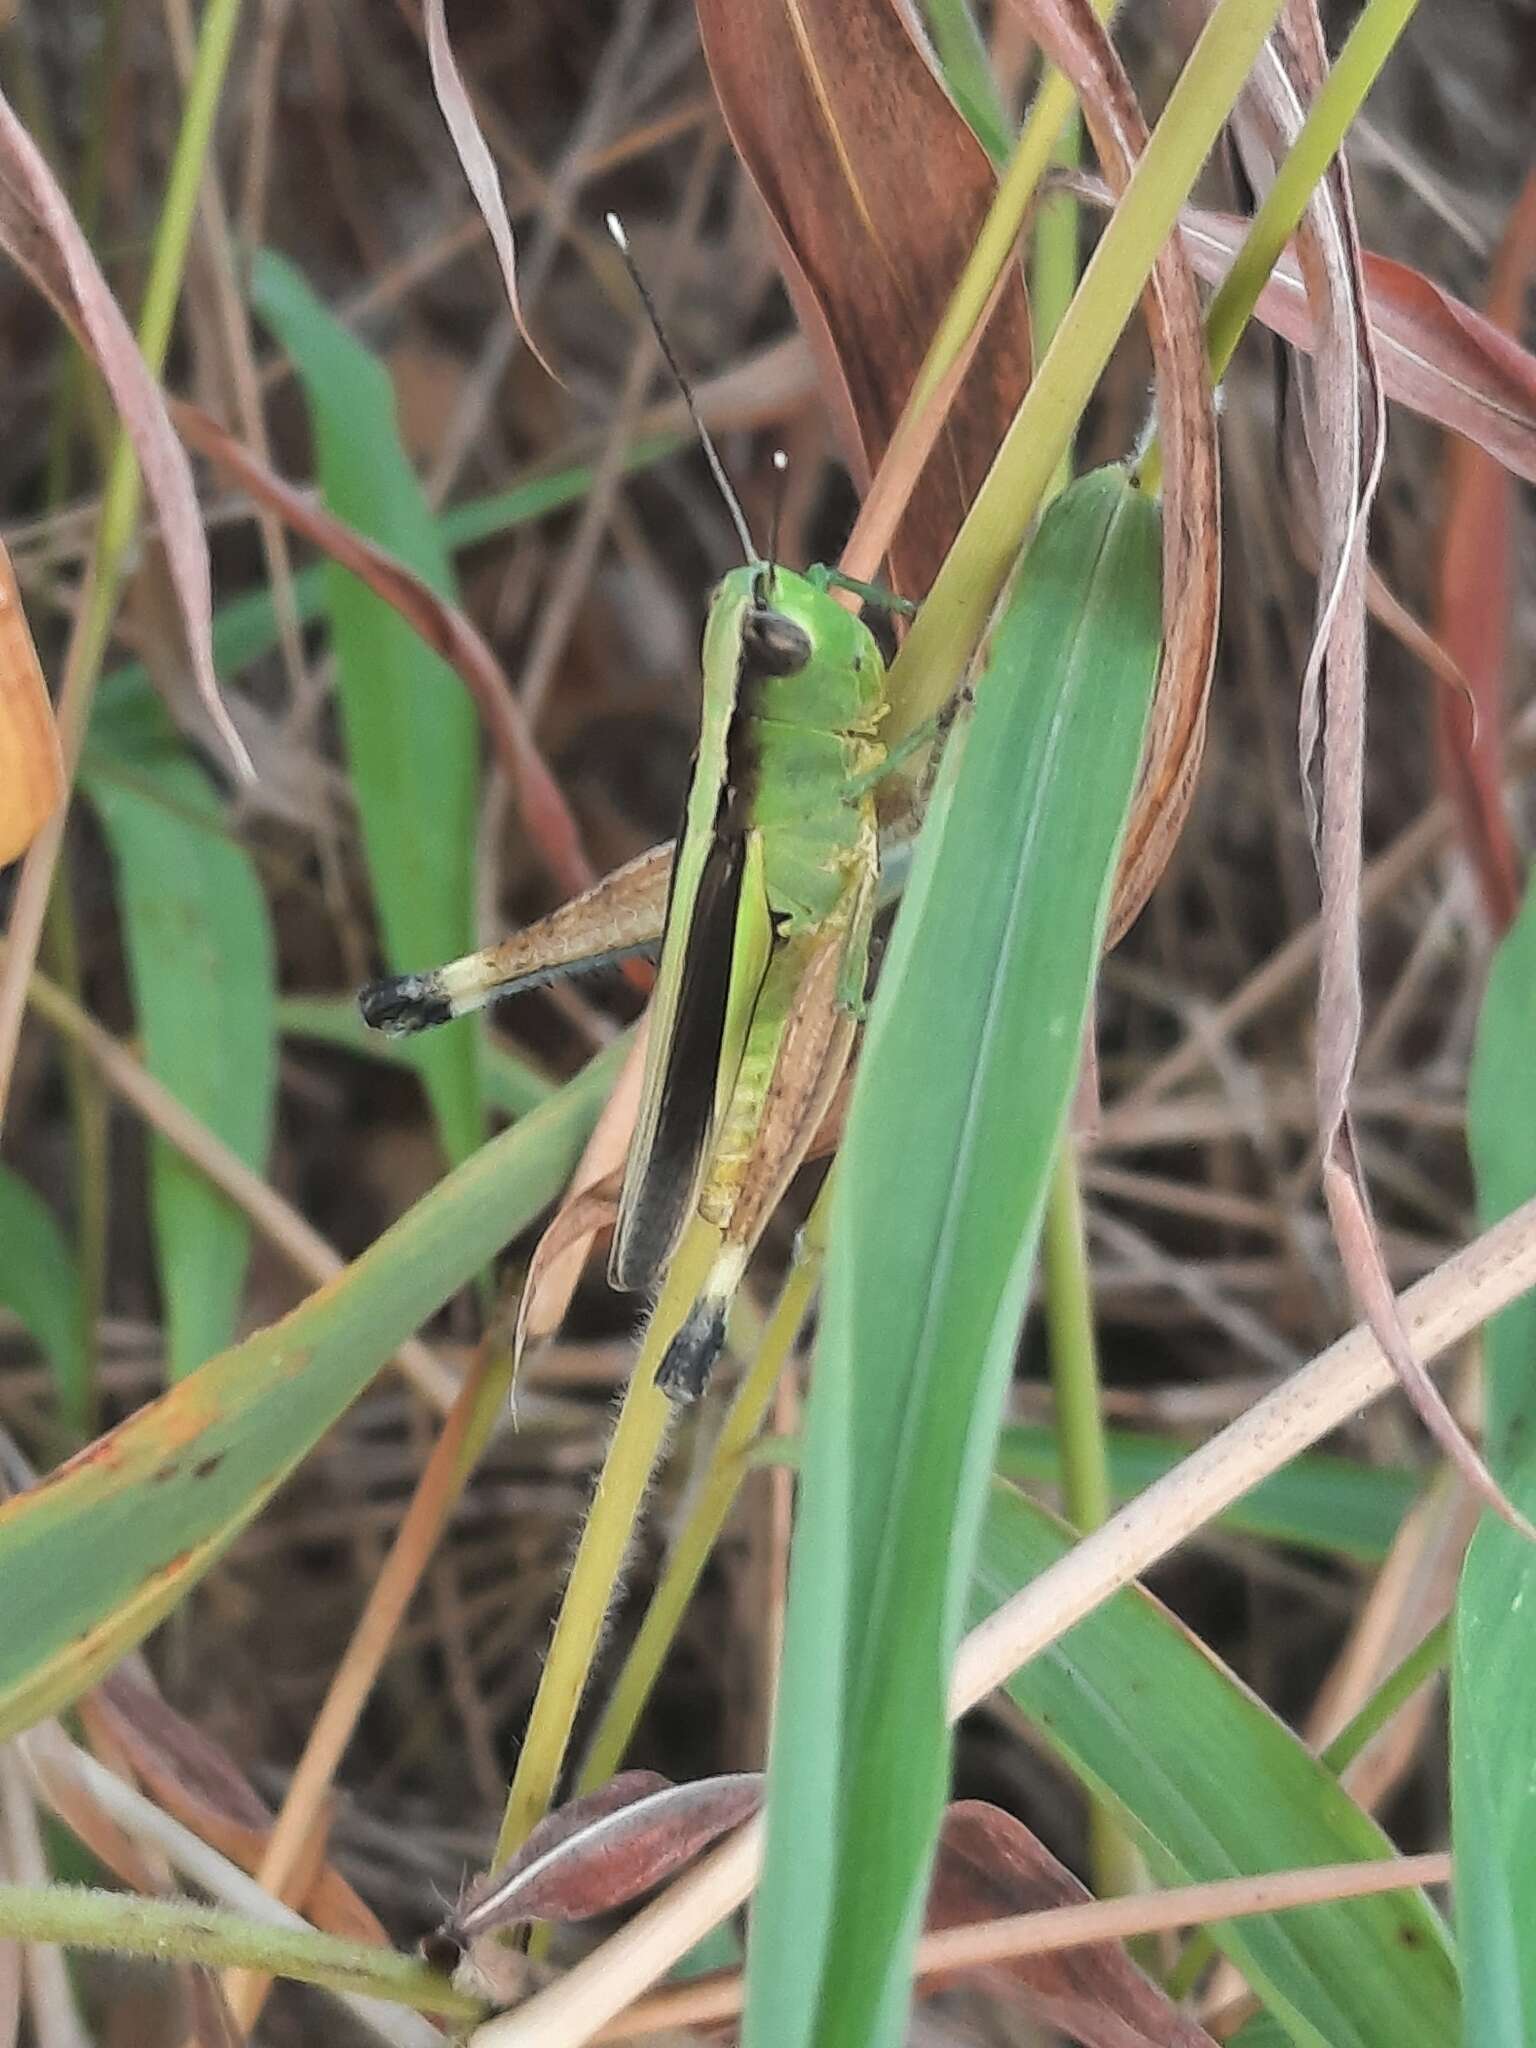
776,866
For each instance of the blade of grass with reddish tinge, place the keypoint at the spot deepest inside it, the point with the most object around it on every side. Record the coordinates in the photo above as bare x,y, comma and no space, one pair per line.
1473,616
443,626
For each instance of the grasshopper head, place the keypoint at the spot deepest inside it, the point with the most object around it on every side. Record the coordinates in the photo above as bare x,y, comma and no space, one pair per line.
808,658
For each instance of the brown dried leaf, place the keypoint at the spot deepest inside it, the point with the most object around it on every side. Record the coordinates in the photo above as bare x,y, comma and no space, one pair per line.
443,627
1473,613
43,236
989,1865
581,1219
1344,419
479,168
626,907
1415,638
601,1851
552,1276
1436,355
76,1805
197,1783
164,1749
1077,42
850,138
31,764
210,2023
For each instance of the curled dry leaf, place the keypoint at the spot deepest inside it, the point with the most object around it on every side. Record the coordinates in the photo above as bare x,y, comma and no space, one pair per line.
581,1219
1343,418
443,627
197,1783
1473,611
1076,41
601,1851
44,1748
628,907
842,125
42,235
479,168
31,764
210,2023
989,1866
553,1275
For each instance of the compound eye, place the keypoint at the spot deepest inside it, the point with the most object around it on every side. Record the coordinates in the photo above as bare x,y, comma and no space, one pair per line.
773,645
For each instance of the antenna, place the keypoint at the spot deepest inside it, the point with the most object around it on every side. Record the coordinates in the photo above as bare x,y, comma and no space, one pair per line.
711,453
780,486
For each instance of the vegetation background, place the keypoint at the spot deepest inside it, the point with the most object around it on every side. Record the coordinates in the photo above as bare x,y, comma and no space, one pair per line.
220,930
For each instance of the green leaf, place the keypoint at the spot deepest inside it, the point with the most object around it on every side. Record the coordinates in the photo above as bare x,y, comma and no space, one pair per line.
199,950
101,1551
966,64
1493,1700
1333,1506
40,1285
410,729
1213,1785
963,1088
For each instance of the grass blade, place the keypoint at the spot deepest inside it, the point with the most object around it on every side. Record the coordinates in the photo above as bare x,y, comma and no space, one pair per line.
512,1085
1332,1506
1212,1785
410,729
200,959
95,1556
40,1285
1493,1705
962,1095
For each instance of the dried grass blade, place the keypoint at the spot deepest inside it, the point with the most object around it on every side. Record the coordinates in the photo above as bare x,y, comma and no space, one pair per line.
479,168
443,626
1077,42
1474,609
1343,421
40,232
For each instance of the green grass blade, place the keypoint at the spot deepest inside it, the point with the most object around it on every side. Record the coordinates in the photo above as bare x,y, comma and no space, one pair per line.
410,729
1329,1505
200,961
966,63
511,1085
95,1556
1493,1699
40,1285
963,1089
1212,1785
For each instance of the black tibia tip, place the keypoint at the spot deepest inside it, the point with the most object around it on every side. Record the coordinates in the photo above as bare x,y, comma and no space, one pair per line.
406,1003
692,1353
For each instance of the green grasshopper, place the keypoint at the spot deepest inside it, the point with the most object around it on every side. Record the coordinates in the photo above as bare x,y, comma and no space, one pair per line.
777,861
